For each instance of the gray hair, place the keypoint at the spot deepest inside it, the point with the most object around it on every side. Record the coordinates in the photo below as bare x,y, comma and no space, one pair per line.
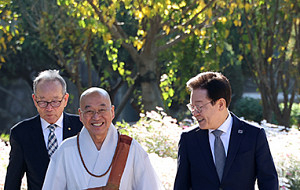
50,75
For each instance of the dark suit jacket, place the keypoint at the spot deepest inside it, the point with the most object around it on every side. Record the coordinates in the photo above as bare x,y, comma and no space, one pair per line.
248,158
29,152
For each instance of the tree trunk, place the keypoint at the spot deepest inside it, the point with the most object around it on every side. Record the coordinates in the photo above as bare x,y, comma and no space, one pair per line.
151,95
149,81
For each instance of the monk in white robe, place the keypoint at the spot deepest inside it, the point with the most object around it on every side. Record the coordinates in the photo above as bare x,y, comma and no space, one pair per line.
66,170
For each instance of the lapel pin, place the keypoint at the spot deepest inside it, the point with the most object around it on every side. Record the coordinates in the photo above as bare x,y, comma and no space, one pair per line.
69,128
240,131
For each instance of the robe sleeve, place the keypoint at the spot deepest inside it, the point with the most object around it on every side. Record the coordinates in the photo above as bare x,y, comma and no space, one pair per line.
145,177
56,174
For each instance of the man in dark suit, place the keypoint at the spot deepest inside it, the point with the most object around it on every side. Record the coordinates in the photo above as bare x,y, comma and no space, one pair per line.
30,147
223,152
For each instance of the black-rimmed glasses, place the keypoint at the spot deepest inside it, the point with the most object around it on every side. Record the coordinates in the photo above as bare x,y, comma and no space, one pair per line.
54,103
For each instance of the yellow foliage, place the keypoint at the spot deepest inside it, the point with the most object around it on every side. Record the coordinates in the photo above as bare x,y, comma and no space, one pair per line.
182,4
187,31
141,33
227,33
9,37
237,23
175,6
222,4
139,44
139,15
2,41
22,39
168,2
248,46
127,2
223,19
2,59
240,57
146,11
166,11
203,32
106,37
240,3
82,10
247,7
209,13
263,51
166,28
269,60
8,13
286,16
111,21
219,50
232,7
94,30
197,32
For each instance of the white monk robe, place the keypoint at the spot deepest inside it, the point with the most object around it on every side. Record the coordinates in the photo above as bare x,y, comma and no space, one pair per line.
66,171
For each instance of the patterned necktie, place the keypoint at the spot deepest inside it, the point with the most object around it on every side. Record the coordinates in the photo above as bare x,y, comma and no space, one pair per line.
219,152
52,141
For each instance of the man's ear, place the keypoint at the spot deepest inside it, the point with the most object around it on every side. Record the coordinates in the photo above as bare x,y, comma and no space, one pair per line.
34,100
222,104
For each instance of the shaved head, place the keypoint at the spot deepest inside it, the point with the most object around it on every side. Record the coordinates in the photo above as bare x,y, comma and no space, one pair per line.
93,90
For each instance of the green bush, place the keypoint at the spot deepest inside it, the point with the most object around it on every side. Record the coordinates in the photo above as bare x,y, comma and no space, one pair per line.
295,115
249,108
4,137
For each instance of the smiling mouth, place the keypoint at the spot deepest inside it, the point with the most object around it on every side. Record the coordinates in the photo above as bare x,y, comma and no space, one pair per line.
98,124
200,120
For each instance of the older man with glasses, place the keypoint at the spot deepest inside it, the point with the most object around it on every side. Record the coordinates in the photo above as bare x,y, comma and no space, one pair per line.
34,140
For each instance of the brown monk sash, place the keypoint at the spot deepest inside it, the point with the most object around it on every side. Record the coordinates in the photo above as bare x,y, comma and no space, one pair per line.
118,164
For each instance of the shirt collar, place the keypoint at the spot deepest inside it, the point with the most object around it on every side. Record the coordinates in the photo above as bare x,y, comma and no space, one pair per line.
59,122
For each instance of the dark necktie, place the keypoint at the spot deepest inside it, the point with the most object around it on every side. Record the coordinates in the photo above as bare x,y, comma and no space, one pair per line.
52,140
219,152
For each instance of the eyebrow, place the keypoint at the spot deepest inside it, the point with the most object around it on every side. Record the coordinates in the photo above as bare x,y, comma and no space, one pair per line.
88,106
43,97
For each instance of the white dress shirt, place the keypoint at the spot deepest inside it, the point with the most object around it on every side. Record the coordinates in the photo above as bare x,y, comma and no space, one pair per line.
58,130
225,137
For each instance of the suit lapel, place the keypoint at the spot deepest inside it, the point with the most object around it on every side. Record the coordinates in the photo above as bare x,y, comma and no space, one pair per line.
203,141
237,133
37,138
68,128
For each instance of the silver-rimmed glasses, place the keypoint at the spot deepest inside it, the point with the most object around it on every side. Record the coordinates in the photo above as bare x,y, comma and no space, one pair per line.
91,113
196,108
